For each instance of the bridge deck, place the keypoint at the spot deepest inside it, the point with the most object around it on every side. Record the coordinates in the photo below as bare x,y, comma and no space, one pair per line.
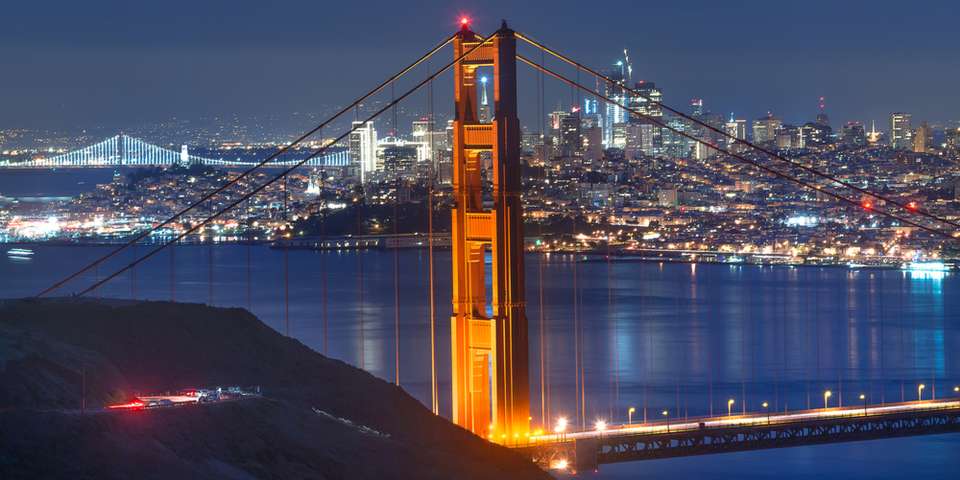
586,450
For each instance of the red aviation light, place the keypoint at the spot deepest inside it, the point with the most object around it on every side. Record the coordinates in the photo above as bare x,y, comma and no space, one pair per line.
464,21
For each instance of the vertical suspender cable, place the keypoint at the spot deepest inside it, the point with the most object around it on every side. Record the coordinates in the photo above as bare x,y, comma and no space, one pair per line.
286,265
359,255
133,276
323,263
745,323
544,408
434,397
210,257
359,212
396,251
173,273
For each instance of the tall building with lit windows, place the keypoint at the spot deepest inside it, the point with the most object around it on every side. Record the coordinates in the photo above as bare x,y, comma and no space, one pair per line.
765,129
649,100
901,133
736,128
923,138
614,115
363,148
484,111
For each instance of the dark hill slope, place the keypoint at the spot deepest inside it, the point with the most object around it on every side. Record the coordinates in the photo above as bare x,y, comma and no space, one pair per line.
153,346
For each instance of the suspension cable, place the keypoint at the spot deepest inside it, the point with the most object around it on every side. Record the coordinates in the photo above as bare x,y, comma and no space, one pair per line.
734,139
431,126
742,158
288,170
249,171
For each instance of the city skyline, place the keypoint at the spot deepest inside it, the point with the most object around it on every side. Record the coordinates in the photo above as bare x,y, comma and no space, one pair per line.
127,68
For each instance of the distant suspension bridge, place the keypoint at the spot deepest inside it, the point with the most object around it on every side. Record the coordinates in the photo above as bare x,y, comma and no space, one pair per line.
126,151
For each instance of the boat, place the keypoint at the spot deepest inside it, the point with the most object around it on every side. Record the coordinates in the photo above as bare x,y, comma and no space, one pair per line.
934,266
20,254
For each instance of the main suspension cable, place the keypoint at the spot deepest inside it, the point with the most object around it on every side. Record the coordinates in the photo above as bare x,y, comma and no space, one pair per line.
742,158
273,156
734,139
287,171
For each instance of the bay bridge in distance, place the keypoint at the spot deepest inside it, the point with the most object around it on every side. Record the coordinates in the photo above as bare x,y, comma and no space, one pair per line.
122,150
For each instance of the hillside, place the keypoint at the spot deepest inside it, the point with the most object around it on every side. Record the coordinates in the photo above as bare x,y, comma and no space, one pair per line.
320,418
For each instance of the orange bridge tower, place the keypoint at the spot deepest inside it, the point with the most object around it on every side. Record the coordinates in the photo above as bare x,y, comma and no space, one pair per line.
491,386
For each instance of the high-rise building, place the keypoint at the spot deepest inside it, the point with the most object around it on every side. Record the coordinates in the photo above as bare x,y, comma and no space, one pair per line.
569,134
363,148
484,110
765,129
675,145
853,135
648,102
398,157
737,128
788,136
815,135
592,148
639,140
696,107
952,139
614,114
429,140
901,133
923,138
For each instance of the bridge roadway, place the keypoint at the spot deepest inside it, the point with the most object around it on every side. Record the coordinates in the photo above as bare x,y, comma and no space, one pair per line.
586,450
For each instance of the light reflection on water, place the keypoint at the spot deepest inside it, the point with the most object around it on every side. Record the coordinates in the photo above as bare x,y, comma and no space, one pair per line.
681,337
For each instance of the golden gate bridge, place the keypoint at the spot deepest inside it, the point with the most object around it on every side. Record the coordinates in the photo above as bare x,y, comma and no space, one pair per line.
491,385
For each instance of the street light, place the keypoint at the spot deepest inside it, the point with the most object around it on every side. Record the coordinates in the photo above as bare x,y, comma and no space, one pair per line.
630,415
920,391
600,426
561,425
864,398
956,389
767,409
666,414
826,398
730,407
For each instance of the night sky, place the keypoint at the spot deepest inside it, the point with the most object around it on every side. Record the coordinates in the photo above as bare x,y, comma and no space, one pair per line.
71,64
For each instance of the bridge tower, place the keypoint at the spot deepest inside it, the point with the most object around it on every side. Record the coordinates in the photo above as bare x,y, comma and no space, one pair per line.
491,387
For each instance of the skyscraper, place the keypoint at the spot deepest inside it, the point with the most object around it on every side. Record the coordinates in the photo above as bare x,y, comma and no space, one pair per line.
765,129
614,114
648,102
569,135
363,148
736,128
696,107
901,133
923,138
853,135
484,111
